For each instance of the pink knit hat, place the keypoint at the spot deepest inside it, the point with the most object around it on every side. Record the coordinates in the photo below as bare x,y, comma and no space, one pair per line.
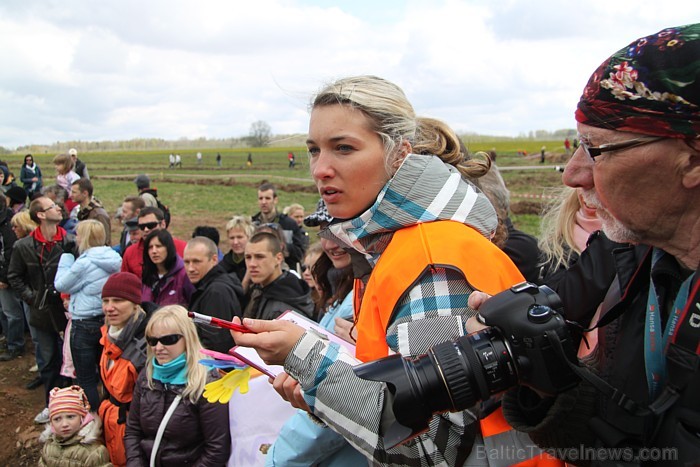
68,400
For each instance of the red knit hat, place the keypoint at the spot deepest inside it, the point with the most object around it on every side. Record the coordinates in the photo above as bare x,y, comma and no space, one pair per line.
68,400
123,285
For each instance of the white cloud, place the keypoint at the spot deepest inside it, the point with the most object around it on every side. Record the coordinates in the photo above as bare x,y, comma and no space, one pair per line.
123,69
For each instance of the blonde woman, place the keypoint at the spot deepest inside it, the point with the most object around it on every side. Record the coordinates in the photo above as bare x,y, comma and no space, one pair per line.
238,230
22,224
197,433
83,279
420,232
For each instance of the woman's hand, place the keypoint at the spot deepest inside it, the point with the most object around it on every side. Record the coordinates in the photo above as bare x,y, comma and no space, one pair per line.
476,299
272,339
290,390
346,330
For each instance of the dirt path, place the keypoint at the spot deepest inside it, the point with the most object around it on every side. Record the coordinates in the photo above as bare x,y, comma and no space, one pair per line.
18,407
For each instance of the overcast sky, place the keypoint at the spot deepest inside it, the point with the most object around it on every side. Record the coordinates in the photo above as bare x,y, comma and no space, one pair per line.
123,69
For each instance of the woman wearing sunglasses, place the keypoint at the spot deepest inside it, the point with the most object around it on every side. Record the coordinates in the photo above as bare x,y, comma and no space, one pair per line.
421,235
165,280
197,432
123,357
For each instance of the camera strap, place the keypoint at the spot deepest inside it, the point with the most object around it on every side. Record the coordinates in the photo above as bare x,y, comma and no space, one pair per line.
682,358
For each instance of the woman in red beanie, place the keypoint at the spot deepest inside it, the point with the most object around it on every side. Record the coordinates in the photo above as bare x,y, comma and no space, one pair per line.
123,357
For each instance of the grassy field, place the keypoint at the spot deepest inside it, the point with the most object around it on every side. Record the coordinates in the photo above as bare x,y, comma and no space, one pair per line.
209,195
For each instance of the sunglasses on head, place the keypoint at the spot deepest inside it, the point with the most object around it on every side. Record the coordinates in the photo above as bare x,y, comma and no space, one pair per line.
170,339
148,225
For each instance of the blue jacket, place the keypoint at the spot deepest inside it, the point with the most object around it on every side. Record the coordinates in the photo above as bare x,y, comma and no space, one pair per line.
302,442
83,279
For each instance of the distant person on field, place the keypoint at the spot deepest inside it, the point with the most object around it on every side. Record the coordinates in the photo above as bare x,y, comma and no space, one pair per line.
268,214
218,159
292,159
567,146
74,435
199,158
89,208
78,166
544,148
171,161
30,176
178,160
149,219
249,161
148,194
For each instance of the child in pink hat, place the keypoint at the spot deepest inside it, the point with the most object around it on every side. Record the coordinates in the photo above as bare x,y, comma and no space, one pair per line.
72,436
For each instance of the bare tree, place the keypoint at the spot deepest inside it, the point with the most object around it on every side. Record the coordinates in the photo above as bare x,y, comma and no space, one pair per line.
260,133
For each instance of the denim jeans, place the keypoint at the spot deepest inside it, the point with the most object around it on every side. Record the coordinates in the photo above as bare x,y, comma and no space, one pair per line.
51,352
13,322
86,349
32,332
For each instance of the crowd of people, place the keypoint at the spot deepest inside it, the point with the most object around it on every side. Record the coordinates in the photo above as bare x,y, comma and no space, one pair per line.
414,237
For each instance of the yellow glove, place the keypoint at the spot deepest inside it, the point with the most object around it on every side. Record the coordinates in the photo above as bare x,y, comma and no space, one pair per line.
222,389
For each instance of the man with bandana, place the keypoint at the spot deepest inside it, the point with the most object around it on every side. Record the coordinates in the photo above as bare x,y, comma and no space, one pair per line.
638,163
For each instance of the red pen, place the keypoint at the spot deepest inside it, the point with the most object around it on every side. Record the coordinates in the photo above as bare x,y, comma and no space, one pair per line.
200,318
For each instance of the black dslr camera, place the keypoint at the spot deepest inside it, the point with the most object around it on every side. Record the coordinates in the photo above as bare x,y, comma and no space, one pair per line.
518,348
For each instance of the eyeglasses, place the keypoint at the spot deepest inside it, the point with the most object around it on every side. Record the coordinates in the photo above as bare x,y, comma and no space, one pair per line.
148,225
53,205
595,151
170,339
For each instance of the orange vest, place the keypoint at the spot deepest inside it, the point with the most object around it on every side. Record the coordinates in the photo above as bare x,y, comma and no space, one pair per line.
412,251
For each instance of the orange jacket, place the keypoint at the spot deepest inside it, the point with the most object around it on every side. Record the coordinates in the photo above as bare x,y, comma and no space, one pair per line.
410,253
119,380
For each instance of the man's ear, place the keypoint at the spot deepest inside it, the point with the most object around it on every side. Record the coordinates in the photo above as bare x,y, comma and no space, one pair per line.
280,258
690,169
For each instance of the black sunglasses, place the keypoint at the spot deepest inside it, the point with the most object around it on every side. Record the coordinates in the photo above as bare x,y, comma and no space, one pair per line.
149,225
170,339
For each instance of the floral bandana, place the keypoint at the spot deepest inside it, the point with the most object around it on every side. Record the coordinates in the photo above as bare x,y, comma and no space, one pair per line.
651,87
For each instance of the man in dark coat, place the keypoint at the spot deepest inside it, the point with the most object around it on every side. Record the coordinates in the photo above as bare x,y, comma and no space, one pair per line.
217,293
32,271
293,234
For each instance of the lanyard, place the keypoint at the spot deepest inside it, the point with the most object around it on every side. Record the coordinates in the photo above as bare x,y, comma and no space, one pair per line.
654,344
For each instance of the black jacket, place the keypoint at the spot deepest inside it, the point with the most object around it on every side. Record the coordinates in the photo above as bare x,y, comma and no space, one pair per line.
31,273
196,434
522,249
7,241
287,292
217,294
293,236
584,416
230,266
